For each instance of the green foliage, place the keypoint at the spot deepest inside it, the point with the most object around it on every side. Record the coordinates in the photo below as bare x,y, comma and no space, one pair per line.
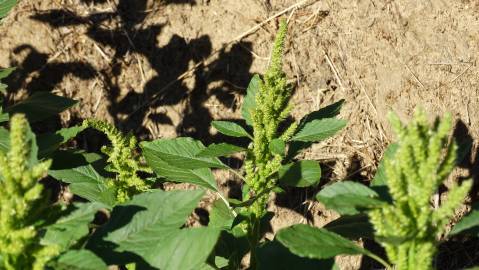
41,106
6,6
220,150
21,201
469,224
230,129
303,173
348,198
69,229
399,203
408,228
321,244
123,161
79,260
268,160
149,225
4,73
180,160
272,255
87,183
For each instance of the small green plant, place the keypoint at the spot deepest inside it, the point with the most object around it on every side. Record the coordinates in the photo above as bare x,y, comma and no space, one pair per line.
422,162
403,219
124,161
264,163
22,202
268,164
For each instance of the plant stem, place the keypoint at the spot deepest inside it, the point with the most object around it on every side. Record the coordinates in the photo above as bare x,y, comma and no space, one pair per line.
227,203
253,239
379,260
237,174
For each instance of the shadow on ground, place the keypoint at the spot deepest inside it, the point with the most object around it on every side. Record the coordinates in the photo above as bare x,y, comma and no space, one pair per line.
230,70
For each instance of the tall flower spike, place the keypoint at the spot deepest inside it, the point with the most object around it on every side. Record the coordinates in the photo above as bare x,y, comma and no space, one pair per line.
123,161
409,227
20,199
272,108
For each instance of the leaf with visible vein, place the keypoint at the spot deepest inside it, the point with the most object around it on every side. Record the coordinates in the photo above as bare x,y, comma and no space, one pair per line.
230,128
87,183
220,150
180,152
311,242
249,102
318,130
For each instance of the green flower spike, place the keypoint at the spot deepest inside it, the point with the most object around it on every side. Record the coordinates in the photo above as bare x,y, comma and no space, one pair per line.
20,201
123,160
409,227
272,108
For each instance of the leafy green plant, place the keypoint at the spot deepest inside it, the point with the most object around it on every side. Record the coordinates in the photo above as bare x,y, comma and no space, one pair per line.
21,202
404,221
123,161
6,6
269,161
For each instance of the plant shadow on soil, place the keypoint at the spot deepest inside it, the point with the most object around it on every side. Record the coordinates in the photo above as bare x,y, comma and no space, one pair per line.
230,69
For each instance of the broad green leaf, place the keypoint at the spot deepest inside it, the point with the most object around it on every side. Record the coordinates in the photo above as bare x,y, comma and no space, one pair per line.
221,262
316,243
31,138
149,226
69,229
157,210
182,249
352,227
379,183
272,255
318,130
41,105
348,198
219,150
295,147
230,129
179,152
201,177
277,146
471,221
4,73
87,183
249,102
380,179
6,6
329,111
4,117
221,216
79,260
72,158
4,140
232,244
206,266
302,173
48,143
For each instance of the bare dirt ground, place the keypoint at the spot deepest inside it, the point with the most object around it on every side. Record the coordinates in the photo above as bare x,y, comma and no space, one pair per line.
168,68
